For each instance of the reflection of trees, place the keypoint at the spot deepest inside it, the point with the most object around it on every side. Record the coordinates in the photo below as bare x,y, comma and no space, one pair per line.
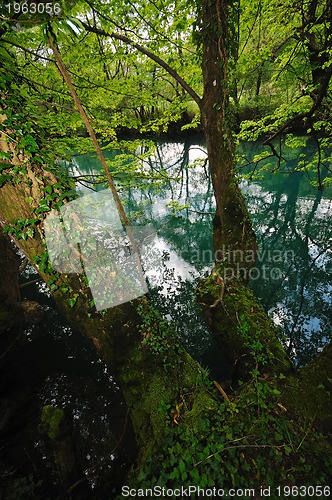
287,213
301,299
175,299
187,234
291,154
188,230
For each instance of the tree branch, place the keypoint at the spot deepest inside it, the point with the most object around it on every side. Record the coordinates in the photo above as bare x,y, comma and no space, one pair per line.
55,104
308,114
150,55
17,45
99,151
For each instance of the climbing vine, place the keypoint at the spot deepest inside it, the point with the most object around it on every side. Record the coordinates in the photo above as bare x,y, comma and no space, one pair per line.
159,336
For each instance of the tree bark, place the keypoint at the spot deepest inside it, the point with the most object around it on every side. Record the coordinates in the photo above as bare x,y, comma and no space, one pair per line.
233,227
11,316
100,153
317,45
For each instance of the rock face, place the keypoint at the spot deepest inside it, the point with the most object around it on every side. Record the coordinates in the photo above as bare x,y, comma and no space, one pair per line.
13,313
57,427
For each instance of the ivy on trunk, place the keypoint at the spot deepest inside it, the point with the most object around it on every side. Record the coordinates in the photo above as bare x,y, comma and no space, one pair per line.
233,227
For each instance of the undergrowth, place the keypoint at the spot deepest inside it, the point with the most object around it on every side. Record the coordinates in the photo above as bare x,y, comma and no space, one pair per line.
250,440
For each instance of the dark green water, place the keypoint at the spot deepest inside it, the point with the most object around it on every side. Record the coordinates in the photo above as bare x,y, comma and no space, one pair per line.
293,220
52,364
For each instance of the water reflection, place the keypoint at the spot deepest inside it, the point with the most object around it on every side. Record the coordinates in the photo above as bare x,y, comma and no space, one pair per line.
300,300
290,217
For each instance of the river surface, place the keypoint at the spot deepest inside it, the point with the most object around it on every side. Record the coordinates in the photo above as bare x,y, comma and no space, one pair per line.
52,364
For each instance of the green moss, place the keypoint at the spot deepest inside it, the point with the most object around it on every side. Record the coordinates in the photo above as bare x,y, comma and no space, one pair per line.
251,440
309,392
239,306
155,394
235,230
201,403
51,420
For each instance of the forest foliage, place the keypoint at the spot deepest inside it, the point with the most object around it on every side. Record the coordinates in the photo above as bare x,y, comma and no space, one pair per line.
279,70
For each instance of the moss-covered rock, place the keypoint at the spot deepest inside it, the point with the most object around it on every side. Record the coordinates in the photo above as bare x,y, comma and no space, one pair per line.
309,391
51,419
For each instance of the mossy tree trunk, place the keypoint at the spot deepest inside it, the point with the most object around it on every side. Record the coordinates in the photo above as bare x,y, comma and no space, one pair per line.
26,182
224,298
217,21
232,222
144,378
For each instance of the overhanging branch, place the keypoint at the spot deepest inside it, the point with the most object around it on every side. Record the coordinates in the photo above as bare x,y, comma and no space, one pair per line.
306,115
150,55
26,50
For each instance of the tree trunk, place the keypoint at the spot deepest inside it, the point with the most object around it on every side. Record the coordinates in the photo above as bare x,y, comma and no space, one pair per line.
11,316
233,229
116,337
318,46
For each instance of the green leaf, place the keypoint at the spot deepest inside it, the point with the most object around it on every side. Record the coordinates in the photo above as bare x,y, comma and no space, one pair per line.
72,301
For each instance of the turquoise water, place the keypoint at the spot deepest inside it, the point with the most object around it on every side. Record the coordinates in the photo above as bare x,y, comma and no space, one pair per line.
292,220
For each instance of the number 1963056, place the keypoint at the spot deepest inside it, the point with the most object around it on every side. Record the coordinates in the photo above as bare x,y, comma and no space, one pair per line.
33,8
